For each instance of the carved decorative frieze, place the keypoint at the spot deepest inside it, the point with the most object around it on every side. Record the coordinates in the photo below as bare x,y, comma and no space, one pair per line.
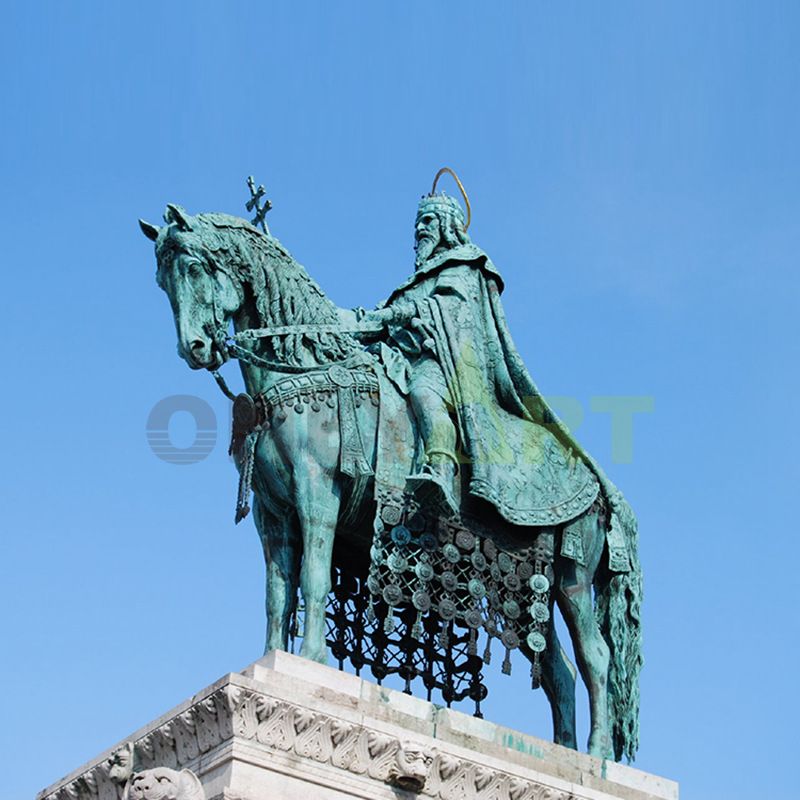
283,726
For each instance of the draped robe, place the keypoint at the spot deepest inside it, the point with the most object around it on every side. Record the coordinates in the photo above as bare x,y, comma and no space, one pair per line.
521,457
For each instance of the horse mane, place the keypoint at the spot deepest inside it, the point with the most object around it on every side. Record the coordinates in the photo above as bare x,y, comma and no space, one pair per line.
283,292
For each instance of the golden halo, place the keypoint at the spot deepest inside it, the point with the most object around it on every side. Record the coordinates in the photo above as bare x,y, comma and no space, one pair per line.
461,189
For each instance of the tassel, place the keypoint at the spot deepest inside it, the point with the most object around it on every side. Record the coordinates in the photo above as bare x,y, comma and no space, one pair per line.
472,648
246,477
536,671
416,629
506,670
487,651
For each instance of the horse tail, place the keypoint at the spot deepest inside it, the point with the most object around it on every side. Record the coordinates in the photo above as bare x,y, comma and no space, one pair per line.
618,601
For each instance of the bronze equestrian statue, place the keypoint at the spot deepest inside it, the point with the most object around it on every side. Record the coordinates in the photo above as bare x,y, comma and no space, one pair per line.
414,437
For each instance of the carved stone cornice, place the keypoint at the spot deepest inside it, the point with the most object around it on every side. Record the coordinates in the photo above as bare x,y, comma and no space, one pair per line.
233,712
289,721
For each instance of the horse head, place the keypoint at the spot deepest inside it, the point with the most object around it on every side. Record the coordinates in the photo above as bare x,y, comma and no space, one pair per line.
196,271
216,268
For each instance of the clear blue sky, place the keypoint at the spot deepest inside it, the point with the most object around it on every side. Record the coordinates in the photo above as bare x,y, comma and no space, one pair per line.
634,174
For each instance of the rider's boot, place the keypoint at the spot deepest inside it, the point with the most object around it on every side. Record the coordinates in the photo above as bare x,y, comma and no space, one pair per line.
435,481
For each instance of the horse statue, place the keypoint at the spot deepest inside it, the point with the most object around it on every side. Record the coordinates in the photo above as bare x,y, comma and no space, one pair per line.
327,435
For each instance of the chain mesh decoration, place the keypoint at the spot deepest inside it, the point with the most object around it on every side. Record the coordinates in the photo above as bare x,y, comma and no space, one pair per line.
448,568
433,584
366,640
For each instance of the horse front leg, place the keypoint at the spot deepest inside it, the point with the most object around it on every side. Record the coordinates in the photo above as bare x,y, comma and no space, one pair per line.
318,501
575,601
282,545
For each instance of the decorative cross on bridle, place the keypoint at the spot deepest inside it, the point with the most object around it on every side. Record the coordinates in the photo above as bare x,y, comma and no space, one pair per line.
254,203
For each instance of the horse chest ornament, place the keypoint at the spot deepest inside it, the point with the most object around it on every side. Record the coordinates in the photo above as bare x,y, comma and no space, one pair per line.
416,497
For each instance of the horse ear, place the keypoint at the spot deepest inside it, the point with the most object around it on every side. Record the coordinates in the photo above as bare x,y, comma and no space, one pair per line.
177,215
150,231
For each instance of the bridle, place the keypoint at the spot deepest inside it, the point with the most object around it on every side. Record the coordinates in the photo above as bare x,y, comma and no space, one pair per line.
231,346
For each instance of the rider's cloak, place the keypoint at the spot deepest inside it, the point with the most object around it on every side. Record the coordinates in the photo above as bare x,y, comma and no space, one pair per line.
521,457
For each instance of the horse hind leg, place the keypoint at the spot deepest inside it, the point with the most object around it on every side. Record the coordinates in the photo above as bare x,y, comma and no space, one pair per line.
557,671
575,601
282,550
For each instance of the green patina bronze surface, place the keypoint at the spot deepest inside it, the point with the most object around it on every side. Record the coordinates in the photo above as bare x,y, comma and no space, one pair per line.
415,435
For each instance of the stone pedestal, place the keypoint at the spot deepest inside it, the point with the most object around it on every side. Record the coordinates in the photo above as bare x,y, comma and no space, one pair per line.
289,729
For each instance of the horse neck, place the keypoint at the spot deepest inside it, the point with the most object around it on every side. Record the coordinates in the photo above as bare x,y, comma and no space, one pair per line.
293,298
283,296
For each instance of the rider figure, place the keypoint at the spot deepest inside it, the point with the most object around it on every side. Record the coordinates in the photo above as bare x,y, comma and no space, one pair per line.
439,227
475,403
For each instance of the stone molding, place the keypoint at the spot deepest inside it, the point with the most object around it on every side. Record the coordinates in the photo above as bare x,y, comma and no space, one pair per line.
280,725
330,733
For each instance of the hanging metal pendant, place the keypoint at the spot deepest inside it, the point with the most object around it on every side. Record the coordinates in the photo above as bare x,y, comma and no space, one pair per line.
245,419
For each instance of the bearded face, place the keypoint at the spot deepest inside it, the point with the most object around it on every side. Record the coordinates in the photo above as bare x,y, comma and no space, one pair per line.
428,235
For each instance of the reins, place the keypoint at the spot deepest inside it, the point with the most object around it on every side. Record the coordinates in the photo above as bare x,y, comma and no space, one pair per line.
229,346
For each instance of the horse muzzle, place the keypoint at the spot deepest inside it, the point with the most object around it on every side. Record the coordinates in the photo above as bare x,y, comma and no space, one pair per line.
200,354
